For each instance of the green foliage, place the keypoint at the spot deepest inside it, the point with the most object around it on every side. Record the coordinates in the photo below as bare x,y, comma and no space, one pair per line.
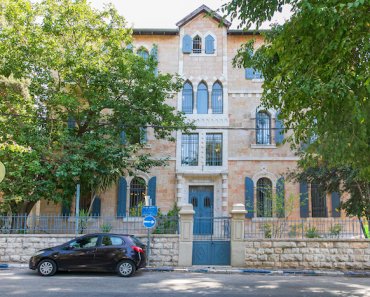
63,60
168,223
106,227
136,211
311,232
335,230
267,229
295,230
83,221
316,73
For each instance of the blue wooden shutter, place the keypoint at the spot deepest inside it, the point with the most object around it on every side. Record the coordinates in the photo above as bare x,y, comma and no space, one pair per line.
96,207
123,137
143,135
249,197
249,73
71,122
257,74
130,47
280,193
154,54
279,130
303,199
187,44
152,187
122,197
210,44
335,202
66,209
202,99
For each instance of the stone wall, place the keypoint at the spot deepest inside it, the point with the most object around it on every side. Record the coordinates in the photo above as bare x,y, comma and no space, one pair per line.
308,254
19,248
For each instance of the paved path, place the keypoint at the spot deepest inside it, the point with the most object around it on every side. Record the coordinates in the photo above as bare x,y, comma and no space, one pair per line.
24,282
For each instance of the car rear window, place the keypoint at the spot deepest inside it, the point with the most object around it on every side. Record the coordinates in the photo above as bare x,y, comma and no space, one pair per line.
111,240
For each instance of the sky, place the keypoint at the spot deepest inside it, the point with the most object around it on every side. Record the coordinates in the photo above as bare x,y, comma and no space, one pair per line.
165,14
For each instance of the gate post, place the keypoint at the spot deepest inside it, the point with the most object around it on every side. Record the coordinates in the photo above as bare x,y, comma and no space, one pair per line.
237,235
186,235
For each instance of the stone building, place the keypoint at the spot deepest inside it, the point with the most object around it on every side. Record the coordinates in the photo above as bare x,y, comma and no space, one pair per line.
235,153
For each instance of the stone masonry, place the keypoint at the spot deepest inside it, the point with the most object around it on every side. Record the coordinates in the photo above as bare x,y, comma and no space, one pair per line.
308,254
19,248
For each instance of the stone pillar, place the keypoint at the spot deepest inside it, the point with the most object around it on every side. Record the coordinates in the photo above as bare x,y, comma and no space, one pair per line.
237,235
186,235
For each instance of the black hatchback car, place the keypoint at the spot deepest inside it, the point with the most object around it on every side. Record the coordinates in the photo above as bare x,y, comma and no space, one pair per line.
93,252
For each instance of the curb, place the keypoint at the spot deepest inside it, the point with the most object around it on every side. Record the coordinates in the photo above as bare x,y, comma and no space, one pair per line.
218,270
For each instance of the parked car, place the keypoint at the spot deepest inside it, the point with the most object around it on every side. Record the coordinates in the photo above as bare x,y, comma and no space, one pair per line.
93,252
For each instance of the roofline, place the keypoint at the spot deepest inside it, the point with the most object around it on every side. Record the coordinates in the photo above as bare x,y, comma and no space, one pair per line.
146,31
199,10
245,32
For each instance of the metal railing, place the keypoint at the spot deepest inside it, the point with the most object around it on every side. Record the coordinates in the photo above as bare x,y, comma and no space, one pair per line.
212,228
329,228
58,224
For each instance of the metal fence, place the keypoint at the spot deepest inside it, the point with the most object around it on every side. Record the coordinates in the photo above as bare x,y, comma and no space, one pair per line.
212,228
57,224
329,228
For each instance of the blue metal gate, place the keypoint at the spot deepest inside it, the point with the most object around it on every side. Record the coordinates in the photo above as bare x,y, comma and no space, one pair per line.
211,244
212,248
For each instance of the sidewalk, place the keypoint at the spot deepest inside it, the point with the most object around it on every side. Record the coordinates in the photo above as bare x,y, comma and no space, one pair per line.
232,270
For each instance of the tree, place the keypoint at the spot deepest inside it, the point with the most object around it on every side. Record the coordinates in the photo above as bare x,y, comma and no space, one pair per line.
83,71
316,73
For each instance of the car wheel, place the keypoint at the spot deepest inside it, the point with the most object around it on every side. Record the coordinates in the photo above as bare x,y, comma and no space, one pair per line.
126,268
47,267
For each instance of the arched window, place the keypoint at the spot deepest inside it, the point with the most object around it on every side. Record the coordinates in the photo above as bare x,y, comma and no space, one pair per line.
137,196
197,44
202,99
263,128
187,98
318,201
217,98
142,52
264,197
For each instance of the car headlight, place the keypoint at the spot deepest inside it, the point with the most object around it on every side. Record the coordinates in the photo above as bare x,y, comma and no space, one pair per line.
38,253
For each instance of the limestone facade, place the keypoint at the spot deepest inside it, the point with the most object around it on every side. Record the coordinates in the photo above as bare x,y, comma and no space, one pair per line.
241,154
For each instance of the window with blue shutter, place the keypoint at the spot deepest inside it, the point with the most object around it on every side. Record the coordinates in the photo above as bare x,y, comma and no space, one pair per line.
280,198
303,199
122,198
197,45
152,187
143,53
249,73
123,137
263,128
279,130
154,55
210,44
130,47
187,44
96,207
143,135
71,123
335,203
202,99
249,197
217,98
264,197
187,98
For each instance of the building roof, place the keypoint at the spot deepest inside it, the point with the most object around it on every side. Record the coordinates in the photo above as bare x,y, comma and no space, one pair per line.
200,10
146,31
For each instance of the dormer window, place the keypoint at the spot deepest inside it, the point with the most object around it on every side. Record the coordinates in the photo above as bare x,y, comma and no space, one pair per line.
197,45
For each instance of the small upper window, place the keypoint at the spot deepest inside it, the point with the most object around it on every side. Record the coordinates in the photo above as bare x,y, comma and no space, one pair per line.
197,45
263,128
143,53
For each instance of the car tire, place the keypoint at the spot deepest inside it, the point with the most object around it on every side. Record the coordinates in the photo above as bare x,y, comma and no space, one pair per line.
126,268
47,267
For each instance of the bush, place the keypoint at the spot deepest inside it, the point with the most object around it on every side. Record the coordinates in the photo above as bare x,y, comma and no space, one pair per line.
168,223
311,232
106,227
267,229
335,230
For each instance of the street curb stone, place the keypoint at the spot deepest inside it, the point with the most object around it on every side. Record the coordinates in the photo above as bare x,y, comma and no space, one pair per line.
230,270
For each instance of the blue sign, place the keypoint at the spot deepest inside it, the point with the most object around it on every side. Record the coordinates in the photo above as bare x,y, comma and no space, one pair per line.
149,211
149,222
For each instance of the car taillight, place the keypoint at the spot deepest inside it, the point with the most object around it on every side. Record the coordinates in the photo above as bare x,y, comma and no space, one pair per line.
137,249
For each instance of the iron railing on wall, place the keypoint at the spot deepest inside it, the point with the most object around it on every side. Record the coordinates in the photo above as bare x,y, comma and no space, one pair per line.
57,224
329,228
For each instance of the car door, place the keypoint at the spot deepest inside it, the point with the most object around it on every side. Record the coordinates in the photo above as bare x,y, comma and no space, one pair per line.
79,254
111,250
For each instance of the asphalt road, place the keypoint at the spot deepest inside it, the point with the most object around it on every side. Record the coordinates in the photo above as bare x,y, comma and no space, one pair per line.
24,282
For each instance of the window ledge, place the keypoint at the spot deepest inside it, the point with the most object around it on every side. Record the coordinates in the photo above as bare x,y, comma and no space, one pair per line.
263,146
257,80
203,55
